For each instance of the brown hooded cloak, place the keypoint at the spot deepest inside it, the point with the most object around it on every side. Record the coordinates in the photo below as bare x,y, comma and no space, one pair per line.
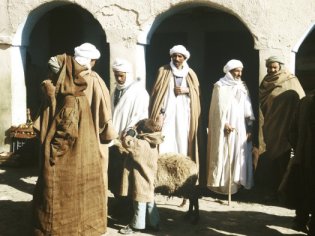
69,197
279,95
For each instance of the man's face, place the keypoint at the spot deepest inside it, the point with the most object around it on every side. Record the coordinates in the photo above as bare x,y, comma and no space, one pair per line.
120,77
237,73
273,68
178,60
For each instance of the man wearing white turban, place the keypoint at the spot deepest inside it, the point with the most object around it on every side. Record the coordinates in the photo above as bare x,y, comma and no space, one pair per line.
175,104
70,196
129,100
130,103
229,133
85,53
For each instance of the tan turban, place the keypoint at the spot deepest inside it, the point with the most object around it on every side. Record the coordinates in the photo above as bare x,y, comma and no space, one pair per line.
181,50
274,59
232,64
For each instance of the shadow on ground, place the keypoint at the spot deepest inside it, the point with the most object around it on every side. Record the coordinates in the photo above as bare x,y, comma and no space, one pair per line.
15,213
212,222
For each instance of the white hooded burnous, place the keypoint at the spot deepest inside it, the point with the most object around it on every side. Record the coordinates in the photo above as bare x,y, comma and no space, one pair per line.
230,104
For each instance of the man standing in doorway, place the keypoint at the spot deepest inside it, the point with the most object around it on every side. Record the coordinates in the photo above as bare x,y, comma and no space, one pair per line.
130,100
231,117
279,94
175,105
130,104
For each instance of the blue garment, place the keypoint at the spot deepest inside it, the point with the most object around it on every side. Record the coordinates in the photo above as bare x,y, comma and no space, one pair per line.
145,212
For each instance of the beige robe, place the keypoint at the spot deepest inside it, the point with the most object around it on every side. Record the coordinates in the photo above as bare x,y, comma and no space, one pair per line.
279,95
69,197
99,100
233,152
140,167
157,100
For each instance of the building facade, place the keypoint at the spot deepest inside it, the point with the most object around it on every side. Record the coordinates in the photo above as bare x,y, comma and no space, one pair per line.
143,31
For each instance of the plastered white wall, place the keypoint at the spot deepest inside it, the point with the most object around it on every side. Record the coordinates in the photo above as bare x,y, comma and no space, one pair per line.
277,27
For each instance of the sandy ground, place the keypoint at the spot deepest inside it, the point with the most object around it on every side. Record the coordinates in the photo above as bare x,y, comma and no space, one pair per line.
244,216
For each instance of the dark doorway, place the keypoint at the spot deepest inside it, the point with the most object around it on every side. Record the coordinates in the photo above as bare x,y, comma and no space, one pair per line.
58,31
305,62
213,37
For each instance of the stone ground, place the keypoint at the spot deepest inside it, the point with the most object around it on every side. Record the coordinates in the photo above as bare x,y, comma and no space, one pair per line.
246,215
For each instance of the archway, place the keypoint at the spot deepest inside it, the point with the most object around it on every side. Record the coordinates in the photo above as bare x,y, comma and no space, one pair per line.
213,37
305,62
58,30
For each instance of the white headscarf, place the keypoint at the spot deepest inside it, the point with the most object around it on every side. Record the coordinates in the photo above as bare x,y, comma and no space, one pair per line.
84,53
232,64
181,50
123,65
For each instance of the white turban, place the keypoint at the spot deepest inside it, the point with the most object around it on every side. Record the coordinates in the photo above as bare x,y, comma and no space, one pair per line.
181,50
121,65
86,52
232,64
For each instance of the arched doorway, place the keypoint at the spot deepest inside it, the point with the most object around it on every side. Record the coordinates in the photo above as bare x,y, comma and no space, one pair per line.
59,29
213,37
305,62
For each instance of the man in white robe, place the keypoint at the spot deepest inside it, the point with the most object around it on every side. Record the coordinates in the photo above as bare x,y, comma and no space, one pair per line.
130,100
175,104
230,122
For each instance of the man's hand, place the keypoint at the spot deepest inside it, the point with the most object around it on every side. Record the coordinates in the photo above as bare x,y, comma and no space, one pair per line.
159,122
228,129
48,88
181,90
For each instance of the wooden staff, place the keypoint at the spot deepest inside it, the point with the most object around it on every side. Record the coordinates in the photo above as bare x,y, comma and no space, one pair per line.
230,170
230,165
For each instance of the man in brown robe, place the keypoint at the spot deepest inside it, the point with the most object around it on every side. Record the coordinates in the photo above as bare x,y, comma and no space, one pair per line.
279,94
70,194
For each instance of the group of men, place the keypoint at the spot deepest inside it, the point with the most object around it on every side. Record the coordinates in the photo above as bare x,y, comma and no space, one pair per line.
80,119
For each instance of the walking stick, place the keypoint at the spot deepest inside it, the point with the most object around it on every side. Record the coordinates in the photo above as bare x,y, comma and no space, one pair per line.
230,171
230,167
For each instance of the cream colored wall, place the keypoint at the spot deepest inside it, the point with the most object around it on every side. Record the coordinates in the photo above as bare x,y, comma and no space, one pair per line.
276,26
6,93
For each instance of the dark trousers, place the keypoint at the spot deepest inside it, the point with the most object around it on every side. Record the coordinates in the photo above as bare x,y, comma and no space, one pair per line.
270,171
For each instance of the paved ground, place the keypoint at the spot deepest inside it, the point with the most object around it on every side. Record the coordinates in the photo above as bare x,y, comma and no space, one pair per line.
244,216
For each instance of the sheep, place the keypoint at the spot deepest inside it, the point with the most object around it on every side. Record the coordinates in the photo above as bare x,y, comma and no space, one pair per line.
177,175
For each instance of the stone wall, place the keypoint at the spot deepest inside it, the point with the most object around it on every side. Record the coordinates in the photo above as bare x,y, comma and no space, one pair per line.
277,27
